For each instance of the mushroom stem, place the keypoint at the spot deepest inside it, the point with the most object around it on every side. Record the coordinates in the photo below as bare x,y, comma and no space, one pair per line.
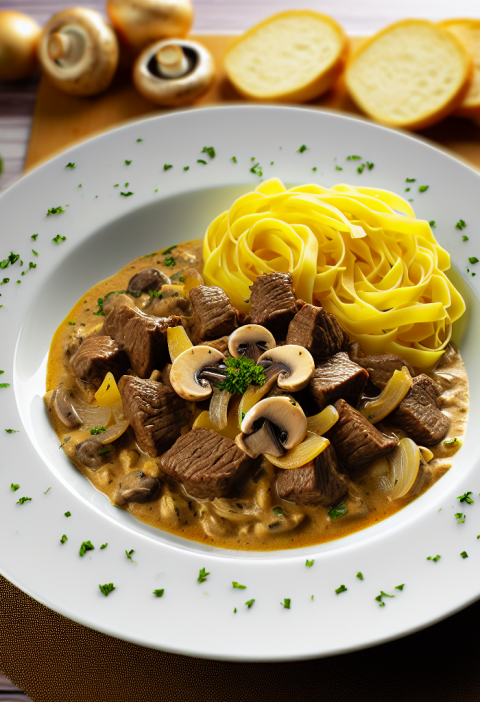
171,61
59,46
265,440
253,351
212,373
273,368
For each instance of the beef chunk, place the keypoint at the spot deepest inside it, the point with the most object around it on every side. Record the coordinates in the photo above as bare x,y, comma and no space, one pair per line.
150,279
380,368
155,412
337,377
95,357
214,315
207,463
273,302
317,330
219,344
318,483
418,414
144,338
356,441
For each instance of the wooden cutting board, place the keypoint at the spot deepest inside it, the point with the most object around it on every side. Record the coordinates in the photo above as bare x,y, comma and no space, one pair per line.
61,120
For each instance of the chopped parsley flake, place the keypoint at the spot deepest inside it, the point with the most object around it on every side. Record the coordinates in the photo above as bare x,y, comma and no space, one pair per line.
167,166
286,603
379,597
103,546
169,250
34,237
241,372
129,554
314,168
12,431
155,293
128,162
237,586
107,588
461,224
68,514
104,451
4,281
14,487
116,185
464,237
369,165
209,150
4,385
361,168
86,546
126,194
432,224
308,563
101,300
340,589
466,497
71,165
400,587
72,323
472,259
460,517
249,603
158,593
452,442
97,430
301,149
354,158
360,575
170,262
186,168
338,168
47,490
57,239
410,180
200,160
243,416
464,554
55,210
234,159
35,253
277,511
202,575
256,169
338,511
139,140
407,190
22,500
433,558
63,539
422,188
235,610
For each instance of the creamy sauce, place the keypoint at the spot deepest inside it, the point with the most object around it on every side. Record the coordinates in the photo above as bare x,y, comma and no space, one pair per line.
245,521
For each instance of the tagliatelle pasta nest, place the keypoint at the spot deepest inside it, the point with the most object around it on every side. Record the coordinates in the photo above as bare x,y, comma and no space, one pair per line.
358,252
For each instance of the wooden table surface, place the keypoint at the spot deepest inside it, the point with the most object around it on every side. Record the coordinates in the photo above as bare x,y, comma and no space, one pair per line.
17,100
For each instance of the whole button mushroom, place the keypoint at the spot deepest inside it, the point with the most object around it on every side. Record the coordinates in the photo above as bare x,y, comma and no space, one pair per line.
19,37
250,341
138,23
79,51
272,426
173,73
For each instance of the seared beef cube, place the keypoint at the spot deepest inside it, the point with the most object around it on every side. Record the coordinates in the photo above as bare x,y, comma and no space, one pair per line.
144,338
318,483
96,357
318,331
380,368
155,412
150,279
418,414
356,441
207,463
337,377
214,315
273,302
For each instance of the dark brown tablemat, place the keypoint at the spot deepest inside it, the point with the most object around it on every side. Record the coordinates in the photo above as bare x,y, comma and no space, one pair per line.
56,660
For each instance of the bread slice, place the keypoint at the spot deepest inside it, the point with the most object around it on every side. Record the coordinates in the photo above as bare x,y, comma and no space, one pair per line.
468,31
411,74
293,56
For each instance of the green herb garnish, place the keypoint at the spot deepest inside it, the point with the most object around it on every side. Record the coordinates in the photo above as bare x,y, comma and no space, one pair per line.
4,385
464,554
209,150
47,490
433,558
338,168
361,168
186,168
104,451
127,162
461,224
12,431
277,511
139,140
55,210
170,262
167,166
129,554
369,165
101,301
103,546
202,575
432,224
340,589
97,430
301,149
257,169
200,160
354,158
400,587
63,539
68,514
339,511
241,372
14,487
379,597
473,259
126,194
86,546
34,237
452,442
71,165
360,575
464,237
460,517
237,586
466,497
234,159
158,593
155,293
57,239
308,563
22,500
422,188
35,253
410,180
286,603
249,603
107,588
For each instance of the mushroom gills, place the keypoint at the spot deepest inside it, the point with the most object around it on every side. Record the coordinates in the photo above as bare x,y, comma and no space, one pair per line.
273,368
267,439
250,341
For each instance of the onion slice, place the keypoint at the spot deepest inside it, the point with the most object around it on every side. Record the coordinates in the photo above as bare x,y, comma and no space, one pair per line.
219,408
302,454
390,397
114,432
254,394
178,341
323,421
427,455
405,465
230,431
91,415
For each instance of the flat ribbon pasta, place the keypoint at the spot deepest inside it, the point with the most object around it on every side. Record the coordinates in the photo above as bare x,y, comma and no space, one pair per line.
358,252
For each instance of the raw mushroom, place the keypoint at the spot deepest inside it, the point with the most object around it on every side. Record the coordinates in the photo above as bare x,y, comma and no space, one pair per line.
250,341
79,51
150,279
19,36
173,73
295,364
193,370
136,486
272,426
92,453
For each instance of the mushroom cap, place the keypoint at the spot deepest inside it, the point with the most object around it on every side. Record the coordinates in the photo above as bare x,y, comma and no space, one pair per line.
186,368
298,360
250,334
146,280
136,486
141,22
90,63
19,37
174,92
284,412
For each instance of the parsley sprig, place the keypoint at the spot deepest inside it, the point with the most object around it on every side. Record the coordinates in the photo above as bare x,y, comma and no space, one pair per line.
241,372
202,575
107,588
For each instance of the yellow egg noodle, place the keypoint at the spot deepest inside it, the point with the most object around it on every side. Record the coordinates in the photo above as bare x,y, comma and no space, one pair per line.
358,252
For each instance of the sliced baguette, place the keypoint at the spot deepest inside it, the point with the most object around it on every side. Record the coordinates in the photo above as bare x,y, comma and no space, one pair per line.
293,56
468,31
410,75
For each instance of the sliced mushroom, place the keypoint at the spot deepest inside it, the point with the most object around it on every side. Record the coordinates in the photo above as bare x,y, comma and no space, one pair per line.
288,427
146,280
136,486
193,370
250,341
92,453
60,403
295,364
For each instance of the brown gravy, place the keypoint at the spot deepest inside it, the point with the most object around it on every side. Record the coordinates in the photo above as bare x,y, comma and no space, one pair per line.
245,522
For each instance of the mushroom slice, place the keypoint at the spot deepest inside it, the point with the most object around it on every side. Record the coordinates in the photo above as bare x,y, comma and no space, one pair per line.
288,424
147,280
136,486
250,341
193,370
295,363
60,403
92,453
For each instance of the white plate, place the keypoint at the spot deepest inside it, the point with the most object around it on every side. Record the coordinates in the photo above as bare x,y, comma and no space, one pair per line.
103,232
